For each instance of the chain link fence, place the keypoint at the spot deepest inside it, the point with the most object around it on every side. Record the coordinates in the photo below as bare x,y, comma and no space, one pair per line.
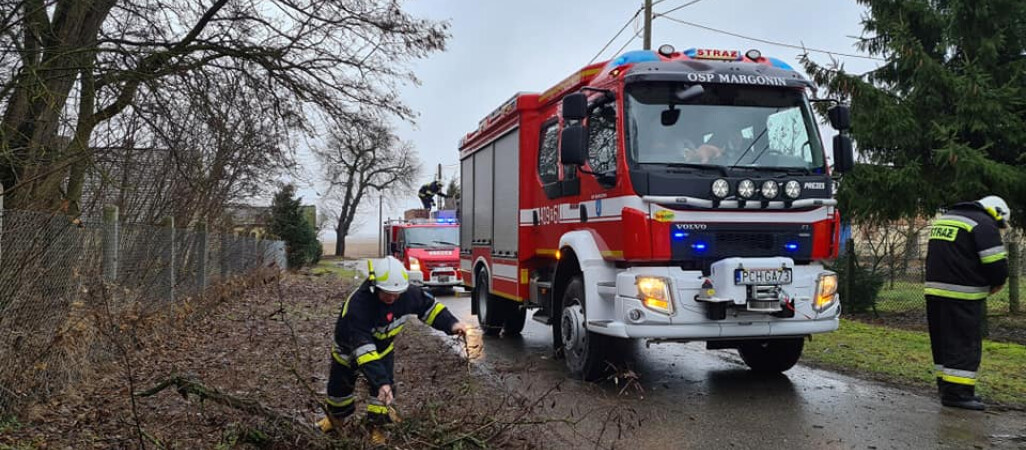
65,287
893,258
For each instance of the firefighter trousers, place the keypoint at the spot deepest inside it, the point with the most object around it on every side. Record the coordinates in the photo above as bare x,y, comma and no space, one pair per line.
341,402
956,340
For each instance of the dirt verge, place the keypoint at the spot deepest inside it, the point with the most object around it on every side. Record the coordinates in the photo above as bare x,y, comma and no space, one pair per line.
251,371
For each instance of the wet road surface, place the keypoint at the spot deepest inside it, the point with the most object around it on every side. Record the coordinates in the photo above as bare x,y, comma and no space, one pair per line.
688,397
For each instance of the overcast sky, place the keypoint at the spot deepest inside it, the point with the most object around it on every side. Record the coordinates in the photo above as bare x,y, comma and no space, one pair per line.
499,48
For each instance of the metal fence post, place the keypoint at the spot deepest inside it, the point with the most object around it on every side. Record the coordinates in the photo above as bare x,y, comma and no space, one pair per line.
1013,277
1,221
225,256
169,223
111,243
202,241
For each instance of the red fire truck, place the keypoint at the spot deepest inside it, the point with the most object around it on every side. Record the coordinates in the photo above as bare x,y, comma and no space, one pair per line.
428,247
662,195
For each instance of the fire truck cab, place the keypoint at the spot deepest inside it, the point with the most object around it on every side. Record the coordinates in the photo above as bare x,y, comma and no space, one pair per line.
429,248
667,196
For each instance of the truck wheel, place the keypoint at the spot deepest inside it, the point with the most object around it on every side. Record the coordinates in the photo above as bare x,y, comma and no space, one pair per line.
515,317
489,307
771,355
583,349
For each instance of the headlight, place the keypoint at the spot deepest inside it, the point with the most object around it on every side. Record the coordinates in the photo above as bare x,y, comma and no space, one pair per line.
826,291
414,264
720,188
792,189
746,189
654,293
770,189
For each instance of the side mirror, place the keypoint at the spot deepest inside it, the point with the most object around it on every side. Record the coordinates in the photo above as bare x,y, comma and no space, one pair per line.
840,117
844,156
575,106
573,144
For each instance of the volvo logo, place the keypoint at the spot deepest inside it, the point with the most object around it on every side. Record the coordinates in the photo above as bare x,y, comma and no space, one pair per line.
815,185
691,226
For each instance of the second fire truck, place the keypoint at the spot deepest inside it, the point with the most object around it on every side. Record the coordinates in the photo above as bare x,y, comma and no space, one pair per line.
428,247
666,196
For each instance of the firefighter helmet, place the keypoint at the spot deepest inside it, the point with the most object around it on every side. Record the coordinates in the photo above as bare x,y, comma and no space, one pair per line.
998,208
388,274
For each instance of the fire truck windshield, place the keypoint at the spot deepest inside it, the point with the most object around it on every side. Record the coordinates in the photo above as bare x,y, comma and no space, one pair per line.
432,236
729,125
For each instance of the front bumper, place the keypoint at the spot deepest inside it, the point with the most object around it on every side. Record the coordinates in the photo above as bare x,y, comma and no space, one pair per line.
437,278
619,312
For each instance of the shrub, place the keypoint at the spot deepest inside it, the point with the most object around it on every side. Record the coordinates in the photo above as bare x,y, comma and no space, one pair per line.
857,285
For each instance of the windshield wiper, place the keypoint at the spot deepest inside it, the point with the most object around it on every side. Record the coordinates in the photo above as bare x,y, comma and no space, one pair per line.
750,147
416,244
445,243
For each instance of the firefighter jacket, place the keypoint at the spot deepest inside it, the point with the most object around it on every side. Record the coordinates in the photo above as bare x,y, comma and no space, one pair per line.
965,258
367,326
430,190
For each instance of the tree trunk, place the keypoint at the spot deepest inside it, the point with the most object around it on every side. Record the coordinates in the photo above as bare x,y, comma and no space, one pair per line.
340,243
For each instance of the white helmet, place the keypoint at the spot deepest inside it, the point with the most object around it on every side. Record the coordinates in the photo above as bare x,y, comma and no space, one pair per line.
998,208
388,274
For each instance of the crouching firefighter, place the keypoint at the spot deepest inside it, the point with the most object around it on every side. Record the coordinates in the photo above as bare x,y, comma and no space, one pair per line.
370,320
965,262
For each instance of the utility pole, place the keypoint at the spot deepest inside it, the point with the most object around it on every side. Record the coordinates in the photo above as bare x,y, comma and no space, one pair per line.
381,227
439,178
648,24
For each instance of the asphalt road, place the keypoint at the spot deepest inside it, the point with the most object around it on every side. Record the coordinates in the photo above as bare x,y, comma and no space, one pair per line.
685,396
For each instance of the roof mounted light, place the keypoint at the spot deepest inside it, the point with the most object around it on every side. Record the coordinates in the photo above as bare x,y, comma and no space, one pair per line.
770,189
753,54
666,50
720,188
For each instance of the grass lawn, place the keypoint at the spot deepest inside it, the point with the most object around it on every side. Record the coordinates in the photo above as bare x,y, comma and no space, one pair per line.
904,357
330,266
904,297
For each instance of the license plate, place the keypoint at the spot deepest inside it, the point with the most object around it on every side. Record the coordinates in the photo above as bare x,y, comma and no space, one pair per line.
443,279
762,276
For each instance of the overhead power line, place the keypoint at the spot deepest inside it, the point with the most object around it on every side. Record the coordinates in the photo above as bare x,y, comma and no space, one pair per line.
618,33
767,41
692,2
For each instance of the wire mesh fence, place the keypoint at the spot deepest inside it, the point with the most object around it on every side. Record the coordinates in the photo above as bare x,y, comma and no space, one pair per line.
891,263
64,287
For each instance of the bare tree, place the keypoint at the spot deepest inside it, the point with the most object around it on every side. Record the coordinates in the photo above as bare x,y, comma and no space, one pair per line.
79,64
362,157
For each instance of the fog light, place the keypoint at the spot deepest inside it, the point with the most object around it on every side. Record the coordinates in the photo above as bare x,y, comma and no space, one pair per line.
414,264
826,290
720,188
746,189
654,293
770,189
634,315
792,189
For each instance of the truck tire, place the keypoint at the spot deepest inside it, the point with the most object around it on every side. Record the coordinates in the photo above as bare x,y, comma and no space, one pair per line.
771,355
489,307
515,317
584,350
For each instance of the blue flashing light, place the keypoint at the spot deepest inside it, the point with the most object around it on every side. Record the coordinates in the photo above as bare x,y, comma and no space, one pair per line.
791,246
779,64
441,220
690,53
452,220
680,235
633,57
700,246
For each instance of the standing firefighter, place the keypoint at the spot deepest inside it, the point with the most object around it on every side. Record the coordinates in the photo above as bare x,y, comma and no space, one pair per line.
371,318
428,192
965,263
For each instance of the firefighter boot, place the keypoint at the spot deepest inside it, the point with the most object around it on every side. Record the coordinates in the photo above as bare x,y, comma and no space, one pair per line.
960,396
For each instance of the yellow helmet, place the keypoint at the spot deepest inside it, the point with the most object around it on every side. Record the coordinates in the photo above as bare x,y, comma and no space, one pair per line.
388,274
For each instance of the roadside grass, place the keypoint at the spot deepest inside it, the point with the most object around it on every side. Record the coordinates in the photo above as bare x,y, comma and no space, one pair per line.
331,267
906,296
904,357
